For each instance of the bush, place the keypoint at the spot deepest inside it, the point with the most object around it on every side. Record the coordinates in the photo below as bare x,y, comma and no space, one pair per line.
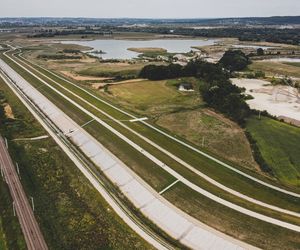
257,155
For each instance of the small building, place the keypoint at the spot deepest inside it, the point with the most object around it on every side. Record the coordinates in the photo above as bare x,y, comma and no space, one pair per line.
180,57
186,87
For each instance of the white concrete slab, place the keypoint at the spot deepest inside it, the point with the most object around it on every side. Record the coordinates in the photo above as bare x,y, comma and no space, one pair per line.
137,193
118,175
173,223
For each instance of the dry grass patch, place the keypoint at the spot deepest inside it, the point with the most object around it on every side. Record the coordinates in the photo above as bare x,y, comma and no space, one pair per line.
221,136
8,111
153,98
83,78
275,68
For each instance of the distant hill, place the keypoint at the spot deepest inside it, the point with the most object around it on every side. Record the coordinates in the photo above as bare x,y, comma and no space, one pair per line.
48,21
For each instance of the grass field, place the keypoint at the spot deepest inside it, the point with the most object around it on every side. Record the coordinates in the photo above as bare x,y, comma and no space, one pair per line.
2,237
275,68
179,113
70,211
153,98
295,64
205,164
279,145
112,69
212,131
212,169
11,236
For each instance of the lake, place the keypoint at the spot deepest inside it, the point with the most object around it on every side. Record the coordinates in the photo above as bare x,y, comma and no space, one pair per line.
117,49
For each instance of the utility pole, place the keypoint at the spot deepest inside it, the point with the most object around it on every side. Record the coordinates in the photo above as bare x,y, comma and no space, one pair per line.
32,203
2,174
259,115
203,140
18,170
14,209
6,144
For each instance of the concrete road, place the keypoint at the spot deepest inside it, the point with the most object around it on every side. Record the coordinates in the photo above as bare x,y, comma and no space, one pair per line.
32,233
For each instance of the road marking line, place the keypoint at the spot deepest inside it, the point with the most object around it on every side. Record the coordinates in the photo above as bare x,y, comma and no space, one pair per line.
168,187
87,123
139,119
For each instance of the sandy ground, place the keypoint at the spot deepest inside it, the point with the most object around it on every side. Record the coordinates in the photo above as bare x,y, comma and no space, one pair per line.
280,101
82,78
8,111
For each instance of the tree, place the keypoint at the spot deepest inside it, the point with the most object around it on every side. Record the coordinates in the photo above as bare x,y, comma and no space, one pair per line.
234,60
260,52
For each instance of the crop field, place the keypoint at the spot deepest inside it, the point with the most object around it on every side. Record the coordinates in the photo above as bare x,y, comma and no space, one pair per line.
203,164
71,213
279,145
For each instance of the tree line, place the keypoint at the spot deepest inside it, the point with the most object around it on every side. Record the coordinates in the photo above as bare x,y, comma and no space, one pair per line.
217,90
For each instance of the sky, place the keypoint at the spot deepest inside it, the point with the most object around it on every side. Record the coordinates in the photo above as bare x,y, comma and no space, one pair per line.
148,8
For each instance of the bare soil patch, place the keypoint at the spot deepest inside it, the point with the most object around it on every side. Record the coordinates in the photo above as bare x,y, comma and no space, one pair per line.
8,111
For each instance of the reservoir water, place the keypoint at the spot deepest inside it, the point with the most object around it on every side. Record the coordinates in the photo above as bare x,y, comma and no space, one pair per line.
118,49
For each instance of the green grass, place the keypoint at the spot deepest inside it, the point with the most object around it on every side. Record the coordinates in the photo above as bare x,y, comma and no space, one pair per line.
3,245
279,146
295,64
112,70
153,98
11,236
71,213
275,68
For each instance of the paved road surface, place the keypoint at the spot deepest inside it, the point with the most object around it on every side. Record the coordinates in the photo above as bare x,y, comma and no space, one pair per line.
32,233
